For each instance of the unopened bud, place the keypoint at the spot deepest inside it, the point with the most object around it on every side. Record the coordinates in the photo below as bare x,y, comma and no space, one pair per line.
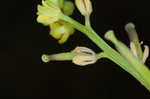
68,8
84,6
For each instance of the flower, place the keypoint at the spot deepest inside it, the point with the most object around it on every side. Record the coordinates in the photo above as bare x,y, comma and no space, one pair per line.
48,12
61,31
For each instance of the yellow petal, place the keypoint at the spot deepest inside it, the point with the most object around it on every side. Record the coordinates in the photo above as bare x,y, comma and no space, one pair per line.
46,20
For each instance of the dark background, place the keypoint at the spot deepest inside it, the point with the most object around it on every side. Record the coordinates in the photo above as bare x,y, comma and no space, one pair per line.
24,76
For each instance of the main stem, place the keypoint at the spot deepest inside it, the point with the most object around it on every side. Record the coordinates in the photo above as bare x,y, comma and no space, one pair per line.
111,53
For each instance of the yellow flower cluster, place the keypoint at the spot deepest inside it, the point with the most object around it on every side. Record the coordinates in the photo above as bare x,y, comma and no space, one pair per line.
49,15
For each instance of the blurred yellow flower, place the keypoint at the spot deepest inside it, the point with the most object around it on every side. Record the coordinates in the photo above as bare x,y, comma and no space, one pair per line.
48,12
61,31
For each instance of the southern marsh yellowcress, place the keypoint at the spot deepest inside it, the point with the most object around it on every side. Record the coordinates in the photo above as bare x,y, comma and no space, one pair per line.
56,14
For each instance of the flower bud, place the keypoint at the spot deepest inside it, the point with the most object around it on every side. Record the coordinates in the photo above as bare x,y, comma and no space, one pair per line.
84,6
61,31
68,8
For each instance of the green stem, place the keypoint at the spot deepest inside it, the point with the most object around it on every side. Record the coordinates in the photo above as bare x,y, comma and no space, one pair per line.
97,40
111,53
87,21
131,70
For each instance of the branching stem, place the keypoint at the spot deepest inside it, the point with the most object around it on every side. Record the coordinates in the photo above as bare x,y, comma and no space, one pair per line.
110,52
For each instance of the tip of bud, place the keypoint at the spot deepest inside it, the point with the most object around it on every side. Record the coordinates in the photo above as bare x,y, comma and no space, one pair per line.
45,58
130,26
